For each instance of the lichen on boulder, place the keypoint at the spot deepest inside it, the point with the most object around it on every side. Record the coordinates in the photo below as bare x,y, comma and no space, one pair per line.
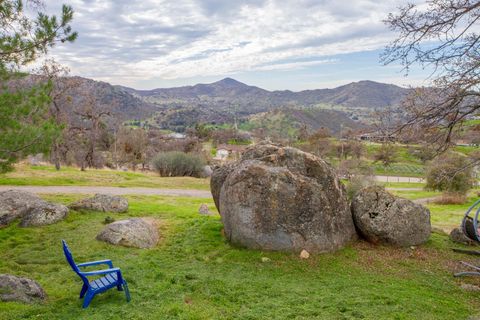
281,198
380,217
102,202
135,232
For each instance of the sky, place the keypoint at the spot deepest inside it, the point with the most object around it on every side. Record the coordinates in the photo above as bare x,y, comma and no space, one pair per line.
273,44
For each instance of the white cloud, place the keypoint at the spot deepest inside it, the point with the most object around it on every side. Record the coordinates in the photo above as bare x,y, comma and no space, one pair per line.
137,40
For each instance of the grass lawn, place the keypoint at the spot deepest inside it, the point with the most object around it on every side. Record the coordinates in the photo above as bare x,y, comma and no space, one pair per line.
194,274
67,176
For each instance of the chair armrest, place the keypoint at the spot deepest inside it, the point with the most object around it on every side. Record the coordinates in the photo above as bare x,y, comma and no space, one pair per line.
108,262
99,272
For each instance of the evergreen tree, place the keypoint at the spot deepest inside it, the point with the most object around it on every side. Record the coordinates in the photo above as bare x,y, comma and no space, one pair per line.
25,126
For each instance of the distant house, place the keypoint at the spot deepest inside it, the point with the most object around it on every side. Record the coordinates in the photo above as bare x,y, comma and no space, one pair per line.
375,137
222,154
176,135
229,152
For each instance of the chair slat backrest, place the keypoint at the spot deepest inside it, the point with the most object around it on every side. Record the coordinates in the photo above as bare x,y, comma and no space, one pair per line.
71,262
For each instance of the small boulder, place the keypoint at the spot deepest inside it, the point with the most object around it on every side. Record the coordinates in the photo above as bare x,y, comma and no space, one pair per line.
204,210
15,203
135,232
207,171
304,254
102,202
13,288
33,211
381,217
457,235
47,213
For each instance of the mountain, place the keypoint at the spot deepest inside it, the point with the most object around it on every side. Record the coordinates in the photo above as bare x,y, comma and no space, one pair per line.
121,104
228,92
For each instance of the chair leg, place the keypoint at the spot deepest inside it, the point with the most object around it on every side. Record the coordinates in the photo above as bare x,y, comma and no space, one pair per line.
83,291
127,292
88,298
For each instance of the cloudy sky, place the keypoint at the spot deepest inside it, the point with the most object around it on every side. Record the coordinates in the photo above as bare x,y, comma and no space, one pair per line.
274,44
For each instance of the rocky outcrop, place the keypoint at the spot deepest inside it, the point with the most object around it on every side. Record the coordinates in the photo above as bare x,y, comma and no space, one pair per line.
102,202
13,288
381,217
280,198
135,232
33,211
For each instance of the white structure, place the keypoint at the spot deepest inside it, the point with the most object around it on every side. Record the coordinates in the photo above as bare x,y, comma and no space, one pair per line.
222,154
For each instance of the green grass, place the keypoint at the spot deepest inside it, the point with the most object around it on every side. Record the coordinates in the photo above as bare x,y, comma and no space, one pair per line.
449,216
415,194
195,274
402,184
67,176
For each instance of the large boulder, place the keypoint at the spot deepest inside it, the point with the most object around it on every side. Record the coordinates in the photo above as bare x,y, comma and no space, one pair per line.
280,198
16,204
217,179
44,214
18,289
135,232
381,217
102,202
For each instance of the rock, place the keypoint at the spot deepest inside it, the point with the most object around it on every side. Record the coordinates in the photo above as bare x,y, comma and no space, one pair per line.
217,179
135,232
381,217
47,213
458,236
203,210
15,204
304,254
470,287
102,202
207,171
280,198
14,288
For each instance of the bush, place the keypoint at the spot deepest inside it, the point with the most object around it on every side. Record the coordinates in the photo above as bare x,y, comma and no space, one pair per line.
451,198
178,164
450,173
357,183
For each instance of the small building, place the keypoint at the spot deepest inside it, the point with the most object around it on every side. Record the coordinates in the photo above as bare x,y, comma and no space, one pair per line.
176,135
229,152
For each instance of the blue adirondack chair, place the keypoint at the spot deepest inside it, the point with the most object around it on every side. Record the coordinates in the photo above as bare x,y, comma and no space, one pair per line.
112,277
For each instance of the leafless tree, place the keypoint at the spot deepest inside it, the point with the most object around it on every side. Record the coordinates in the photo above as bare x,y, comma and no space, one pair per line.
441,35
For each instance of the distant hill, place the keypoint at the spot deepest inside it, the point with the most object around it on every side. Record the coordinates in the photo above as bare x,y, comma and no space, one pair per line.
121,104
228,92
229,100
285,122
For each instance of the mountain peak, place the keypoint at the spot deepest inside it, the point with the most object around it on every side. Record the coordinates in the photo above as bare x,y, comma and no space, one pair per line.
230,82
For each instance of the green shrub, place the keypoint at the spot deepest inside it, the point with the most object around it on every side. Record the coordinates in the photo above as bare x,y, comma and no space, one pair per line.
357,183
178,164
450,172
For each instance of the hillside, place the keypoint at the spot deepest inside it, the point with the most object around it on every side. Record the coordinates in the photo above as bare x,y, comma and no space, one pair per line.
285,122
251,99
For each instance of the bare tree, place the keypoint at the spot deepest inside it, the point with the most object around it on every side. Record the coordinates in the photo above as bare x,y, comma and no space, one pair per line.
442,36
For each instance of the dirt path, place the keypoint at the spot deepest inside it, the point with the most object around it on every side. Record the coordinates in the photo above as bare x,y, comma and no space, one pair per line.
111,190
